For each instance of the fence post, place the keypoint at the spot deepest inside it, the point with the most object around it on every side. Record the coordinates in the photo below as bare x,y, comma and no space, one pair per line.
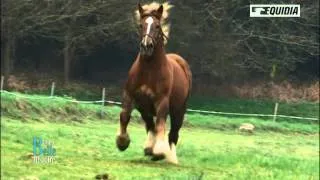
2,81
275,112
52,89
102,102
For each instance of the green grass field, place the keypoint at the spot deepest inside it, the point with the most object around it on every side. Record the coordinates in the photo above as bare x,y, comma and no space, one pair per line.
210,147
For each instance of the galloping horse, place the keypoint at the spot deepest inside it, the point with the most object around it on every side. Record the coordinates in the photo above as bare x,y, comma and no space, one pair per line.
158,84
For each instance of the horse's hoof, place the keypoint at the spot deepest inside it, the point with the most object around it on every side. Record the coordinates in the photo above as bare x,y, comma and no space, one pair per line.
161,148
172,156
148,151
157,157
123,142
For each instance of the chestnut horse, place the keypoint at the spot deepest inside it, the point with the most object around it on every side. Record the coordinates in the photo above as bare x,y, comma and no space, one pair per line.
158,84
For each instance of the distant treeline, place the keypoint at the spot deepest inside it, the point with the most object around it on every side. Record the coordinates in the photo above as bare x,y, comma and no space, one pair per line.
89,39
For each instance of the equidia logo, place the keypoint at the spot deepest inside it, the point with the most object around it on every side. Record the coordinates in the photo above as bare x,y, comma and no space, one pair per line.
43,151
275,10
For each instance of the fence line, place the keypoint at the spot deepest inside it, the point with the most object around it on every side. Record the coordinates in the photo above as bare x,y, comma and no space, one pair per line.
257,115
188,110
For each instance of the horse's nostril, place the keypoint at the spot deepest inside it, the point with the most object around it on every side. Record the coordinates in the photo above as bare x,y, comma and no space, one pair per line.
150,45
142,46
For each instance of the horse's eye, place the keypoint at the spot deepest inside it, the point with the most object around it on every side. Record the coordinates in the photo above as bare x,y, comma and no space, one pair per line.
140,26
157,26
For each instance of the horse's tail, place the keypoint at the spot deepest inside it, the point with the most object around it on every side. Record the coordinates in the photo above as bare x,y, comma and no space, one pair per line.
186,68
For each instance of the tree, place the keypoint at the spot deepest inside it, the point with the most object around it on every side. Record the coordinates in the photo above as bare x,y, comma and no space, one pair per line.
228,44
15,22
79,25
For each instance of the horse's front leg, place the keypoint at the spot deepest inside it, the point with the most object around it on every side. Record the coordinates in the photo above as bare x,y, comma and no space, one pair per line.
123,139
161,148
150,127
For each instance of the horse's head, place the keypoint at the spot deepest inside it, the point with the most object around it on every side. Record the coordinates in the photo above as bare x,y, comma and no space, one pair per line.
150,29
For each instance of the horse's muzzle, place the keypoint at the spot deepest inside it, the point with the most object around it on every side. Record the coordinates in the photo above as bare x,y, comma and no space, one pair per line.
146,46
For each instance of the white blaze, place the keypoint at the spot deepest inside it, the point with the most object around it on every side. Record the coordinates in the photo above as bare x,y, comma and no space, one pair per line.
149,22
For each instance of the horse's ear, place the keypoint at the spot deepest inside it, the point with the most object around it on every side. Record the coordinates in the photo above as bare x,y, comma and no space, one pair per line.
140,9
160,10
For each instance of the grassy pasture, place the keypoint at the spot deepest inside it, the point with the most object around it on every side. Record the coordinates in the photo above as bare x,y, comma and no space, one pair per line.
210,146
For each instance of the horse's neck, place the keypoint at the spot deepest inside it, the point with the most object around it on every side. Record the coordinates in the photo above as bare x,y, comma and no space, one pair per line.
149,67
157,58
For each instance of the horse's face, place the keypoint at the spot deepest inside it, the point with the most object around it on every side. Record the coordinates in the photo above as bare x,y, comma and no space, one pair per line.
150,30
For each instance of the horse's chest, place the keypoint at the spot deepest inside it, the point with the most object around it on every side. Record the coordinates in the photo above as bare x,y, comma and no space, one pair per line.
145,91
144,98
148,85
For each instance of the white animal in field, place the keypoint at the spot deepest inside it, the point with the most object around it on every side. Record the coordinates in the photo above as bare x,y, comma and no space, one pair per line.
247,127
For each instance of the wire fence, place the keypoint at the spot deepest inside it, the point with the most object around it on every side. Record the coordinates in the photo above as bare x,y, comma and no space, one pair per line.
103,101
188,110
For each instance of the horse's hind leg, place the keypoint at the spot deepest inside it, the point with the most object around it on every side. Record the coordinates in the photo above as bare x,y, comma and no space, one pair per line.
176,120
150,127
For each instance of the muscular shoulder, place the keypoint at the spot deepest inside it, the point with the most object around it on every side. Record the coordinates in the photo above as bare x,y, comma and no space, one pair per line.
173,56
